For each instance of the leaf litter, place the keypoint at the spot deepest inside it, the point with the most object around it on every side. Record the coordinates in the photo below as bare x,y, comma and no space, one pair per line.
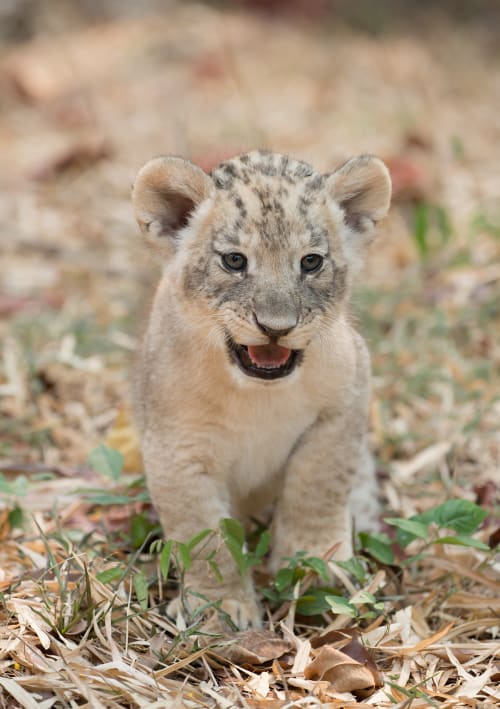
82,601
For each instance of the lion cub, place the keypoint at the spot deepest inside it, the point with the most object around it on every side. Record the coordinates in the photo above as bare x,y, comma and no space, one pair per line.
252,386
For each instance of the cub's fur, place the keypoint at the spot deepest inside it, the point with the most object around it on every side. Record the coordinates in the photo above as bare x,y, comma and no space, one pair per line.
252,386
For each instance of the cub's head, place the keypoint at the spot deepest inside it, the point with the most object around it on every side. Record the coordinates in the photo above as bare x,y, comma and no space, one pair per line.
263,249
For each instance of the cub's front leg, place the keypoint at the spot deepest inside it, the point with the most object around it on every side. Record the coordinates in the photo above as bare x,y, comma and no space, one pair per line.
189,495
313,510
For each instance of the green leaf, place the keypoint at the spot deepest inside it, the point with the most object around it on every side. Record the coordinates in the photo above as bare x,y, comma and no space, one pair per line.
140,528
415,558
194,541
141,589
421,228
412,526
443,223
165,556
378,546
341,605
232,529
354,567
16,517
17,487
463,541
184,555
460,515
142,496
237,553
362,598
272,595
156,546
296,559
317,565
234,538
104,498
263,544
216,571
108,575
313,602
107,461
284,579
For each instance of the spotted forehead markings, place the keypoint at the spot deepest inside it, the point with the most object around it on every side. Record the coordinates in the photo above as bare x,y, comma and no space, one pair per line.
240,205
244,167
269,176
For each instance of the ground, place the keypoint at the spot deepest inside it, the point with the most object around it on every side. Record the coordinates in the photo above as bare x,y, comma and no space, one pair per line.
89,95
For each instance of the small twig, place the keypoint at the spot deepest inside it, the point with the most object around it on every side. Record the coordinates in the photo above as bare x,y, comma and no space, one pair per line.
66,471
63,470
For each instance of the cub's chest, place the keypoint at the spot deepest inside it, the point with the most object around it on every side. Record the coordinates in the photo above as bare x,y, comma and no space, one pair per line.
266,433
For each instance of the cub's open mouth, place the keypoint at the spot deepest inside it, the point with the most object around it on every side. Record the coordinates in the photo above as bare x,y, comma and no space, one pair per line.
264,361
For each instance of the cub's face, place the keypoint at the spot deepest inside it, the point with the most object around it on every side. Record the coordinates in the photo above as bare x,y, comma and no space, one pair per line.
264,247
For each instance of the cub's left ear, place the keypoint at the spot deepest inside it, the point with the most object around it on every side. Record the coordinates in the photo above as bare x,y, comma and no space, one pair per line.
362,189
166,194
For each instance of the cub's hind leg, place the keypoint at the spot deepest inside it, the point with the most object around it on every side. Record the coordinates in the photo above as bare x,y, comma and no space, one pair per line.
364,503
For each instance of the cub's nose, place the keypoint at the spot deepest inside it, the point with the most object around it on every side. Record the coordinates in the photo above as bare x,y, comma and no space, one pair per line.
275,328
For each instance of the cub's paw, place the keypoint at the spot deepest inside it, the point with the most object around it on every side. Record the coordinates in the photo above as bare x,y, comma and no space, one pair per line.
244,614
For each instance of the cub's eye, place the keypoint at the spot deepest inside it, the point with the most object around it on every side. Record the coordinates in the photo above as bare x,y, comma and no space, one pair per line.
234,261
311,263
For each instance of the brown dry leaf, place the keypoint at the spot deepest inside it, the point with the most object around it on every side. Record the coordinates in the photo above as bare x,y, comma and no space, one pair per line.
255,647
494,538
29,615
348,641
343,672
409,182
426,642
209,66
49,67
13,304
123,437
487,493
264,703
5,527
32,79
80,155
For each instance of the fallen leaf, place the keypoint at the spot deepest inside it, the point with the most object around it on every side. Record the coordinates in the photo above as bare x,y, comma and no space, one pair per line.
348,641
487,493
124,438
13,304
338,638
344,673
29,615
209,65
427,641
417,139
260,684
78,156
409,182
255,647
494,539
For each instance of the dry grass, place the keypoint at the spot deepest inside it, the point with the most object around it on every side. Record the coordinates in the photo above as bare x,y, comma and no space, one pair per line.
82,108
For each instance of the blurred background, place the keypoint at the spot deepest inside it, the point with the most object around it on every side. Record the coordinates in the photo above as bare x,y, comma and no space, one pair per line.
90,90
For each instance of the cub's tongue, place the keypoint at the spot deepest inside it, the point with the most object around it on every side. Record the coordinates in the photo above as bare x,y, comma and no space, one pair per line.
268,355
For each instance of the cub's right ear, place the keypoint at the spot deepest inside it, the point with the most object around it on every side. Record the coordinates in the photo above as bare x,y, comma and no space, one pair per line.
165,194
